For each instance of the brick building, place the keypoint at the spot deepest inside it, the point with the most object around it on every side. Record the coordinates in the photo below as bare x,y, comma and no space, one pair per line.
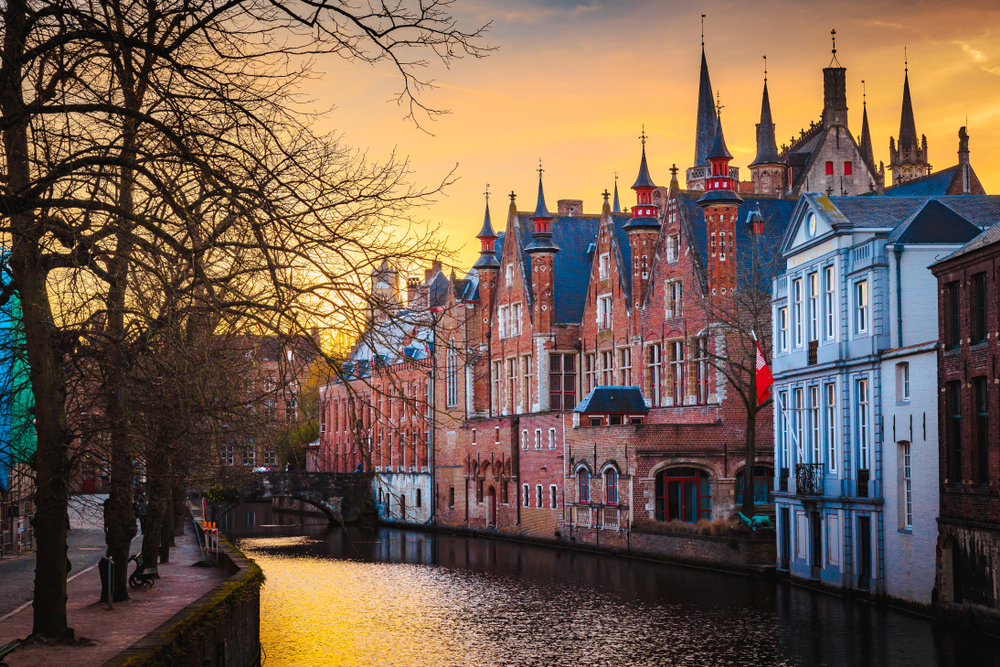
969,418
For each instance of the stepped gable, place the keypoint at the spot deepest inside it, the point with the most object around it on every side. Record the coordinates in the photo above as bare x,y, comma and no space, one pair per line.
934,223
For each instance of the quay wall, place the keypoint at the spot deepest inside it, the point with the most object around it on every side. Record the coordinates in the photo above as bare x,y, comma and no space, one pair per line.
220,629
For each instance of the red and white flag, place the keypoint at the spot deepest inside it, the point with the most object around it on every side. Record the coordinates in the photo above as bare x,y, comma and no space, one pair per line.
764,377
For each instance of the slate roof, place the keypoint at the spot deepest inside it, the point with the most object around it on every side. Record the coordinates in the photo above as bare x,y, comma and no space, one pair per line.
932,185
613,400
572,264
705,128
987,238
887,212
934,223
767,147
643,180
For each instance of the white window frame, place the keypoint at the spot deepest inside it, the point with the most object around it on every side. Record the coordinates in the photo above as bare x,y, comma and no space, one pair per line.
526,499
604,312
604,266
862,301
504,321
783,329
673,248
907,488
830,392
510,274
607,376
538,438
674,294
797,311
590,370
552,438
553,497
830,302
784,429
654,364
814,427
526,382
625,366
862,402
524,439
797,406
814,306
538,496
903,382
452,374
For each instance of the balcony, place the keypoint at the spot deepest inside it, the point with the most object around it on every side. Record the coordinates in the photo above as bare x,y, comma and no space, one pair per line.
867,254
809,479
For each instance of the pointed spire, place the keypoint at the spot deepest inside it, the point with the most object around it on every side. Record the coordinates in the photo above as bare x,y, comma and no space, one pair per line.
719,149
540,210
487,254
487,231
707,117
866,137
643,180
907,126
617,207
767,147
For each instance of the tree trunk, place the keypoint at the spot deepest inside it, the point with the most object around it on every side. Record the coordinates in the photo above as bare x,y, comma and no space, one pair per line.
180,512
41,341
156,486
167,510
751,438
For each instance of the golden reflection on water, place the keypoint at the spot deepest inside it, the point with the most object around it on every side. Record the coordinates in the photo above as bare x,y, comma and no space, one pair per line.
338,612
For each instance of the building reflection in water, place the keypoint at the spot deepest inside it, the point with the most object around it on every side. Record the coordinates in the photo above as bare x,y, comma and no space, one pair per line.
370,596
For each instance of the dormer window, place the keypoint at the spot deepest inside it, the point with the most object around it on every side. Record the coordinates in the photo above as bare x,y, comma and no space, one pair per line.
603,264
604,311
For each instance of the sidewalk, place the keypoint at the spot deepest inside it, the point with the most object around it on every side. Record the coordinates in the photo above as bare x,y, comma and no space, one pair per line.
179,585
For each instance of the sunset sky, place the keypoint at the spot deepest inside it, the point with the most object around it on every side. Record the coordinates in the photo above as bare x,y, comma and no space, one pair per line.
573,81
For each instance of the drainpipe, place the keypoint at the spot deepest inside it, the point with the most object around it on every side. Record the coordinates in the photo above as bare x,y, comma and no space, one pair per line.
898,251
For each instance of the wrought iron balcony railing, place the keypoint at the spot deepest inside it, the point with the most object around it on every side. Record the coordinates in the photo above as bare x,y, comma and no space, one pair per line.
809,479
863,476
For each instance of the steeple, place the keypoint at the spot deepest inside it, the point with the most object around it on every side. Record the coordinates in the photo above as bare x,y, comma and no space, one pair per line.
866,137
767,147
487,254
707,117
645,213
643,180
907,158
720,188
719,150
834,90
541,237
617,208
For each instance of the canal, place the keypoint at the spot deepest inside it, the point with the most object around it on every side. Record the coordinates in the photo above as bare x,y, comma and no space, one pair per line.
407,598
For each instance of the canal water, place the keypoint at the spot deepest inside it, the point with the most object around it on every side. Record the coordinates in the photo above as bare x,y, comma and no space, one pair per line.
363,597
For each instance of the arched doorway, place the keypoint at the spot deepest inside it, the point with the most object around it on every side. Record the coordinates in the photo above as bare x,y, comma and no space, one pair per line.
683,494
491,507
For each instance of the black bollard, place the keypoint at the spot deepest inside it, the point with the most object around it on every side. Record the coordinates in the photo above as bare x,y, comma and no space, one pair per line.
104,566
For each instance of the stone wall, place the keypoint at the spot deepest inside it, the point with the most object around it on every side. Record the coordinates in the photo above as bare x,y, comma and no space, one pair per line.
220,629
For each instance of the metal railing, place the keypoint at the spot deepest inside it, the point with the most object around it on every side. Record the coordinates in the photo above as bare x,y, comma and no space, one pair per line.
863,477
809,479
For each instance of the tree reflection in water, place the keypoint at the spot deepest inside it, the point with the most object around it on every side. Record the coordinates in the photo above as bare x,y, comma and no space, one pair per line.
362,596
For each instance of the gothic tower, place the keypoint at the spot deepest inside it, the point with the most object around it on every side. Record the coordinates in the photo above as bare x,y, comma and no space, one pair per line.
488,269
543,255
767,171
720,203
907,159
642,228
385,293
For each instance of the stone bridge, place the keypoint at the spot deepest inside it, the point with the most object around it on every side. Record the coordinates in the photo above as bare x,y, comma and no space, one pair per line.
342,497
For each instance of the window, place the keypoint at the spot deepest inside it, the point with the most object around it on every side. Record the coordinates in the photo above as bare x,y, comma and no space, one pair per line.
270,457
848,169
982,431
604,263
228,455
526,383
783,421
952,324
829,168
552,438
673,248
625,367
510,400
249,456
562,382
452,374
813,306
864,439
797,310
538,438
978,324
504,321
903,382
829,303
604,311
763,477
783,329
677,371
831,426
607,368
510,275
497,386
683,494
590,371
701,371
524,439
797,425
861,306
954,425
553,497
538,496
583,486
479,488
419,497
675,298
611,487
814,442
907,495
497,435
504,492
526,496
451,497
653,366
515,319
322,417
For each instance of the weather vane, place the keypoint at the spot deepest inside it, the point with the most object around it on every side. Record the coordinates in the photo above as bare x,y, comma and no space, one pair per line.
703,31
718,102
487,193
605,194
641,136
540,170
765,69
906,61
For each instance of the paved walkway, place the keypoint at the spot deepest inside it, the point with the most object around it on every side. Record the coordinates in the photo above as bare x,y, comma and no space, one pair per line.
179,585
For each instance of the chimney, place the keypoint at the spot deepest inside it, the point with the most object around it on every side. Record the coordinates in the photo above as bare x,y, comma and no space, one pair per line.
569,207
412,293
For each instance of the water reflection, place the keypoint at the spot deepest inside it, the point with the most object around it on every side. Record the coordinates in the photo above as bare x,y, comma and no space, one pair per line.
389,597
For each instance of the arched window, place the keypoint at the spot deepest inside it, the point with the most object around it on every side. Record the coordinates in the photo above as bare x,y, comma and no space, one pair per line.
452,374
683,494
583,486
762,481
611,486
